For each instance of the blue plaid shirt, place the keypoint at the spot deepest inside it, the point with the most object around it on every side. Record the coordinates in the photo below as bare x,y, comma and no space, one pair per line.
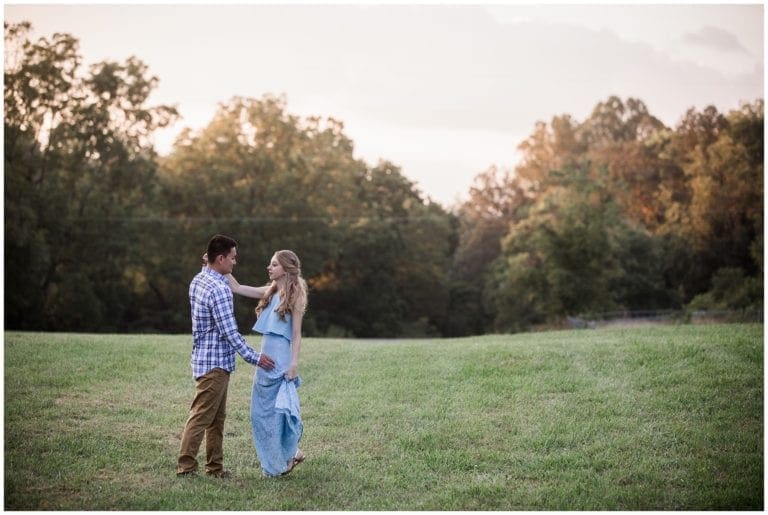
215,337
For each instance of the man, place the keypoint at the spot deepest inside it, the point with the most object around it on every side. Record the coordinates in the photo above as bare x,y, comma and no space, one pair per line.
215,339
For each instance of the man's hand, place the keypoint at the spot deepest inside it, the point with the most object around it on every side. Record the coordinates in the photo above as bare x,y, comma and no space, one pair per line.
265,362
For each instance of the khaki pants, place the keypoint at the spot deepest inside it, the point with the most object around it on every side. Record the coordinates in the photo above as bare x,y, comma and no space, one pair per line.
206,418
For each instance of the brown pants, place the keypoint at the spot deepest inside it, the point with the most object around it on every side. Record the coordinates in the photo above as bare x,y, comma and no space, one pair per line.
206,418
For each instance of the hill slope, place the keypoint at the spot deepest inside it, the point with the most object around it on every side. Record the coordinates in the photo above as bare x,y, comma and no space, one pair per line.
657,418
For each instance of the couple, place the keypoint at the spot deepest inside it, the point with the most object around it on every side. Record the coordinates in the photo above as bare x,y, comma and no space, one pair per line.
275,415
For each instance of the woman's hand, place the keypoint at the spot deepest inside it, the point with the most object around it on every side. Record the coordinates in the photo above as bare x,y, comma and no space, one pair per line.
233,284
292,372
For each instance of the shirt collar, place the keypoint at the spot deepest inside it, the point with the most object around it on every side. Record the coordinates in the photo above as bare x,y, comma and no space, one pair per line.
216,275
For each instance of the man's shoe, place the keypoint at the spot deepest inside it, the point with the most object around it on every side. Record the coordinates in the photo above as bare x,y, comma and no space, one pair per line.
221,474
188,473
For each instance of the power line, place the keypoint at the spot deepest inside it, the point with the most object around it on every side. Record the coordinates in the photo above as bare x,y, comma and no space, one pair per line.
260,219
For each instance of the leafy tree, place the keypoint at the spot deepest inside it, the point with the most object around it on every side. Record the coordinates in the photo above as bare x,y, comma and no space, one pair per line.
615,212
496,199
718,218
619,136
731,289
375,254
78,163
677,206
574,253
550,147
262,176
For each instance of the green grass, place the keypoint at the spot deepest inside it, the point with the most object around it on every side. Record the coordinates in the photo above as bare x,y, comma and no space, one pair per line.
653,418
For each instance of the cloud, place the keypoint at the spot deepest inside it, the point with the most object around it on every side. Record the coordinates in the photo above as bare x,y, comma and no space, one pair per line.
715,38
443,90
458,68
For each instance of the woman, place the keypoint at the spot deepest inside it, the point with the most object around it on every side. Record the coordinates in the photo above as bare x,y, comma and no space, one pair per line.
275,412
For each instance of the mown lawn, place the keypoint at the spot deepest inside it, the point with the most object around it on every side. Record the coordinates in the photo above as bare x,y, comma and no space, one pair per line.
652,418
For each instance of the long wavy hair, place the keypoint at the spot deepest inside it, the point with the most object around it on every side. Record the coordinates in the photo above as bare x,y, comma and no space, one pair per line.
291,287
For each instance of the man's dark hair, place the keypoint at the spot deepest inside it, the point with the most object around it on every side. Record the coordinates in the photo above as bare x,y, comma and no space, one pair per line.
220,245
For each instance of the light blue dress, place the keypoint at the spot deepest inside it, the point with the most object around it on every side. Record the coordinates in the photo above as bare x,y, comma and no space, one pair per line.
275,410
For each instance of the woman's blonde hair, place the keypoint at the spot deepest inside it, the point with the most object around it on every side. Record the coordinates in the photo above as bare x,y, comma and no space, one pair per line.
292,290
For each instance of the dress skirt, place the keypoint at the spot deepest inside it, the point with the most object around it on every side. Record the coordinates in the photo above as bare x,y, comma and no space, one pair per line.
275,410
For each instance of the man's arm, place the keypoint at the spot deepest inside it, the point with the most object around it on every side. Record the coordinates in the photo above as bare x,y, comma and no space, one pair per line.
223,315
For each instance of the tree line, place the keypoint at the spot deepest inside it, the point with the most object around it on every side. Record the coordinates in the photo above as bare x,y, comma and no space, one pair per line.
614,212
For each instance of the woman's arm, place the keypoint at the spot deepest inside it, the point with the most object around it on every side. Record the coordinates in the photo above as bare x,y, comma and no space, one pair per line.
293,368
255,292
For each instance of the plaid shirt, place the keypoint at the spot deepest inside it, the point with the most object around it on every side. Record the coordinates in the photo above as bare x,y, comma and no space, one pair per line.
215,337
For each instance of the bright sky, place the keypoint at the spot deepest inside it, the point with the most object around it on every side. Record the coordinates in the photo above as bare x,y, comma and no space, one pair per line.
443,91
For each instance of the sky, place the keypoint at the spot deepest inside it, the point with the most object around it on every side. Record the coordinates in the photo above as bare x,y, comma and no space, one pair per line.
444,91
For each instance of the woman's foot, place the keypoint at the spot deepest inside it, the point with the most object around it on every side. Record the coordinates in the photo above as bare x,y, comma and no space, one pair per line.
297,458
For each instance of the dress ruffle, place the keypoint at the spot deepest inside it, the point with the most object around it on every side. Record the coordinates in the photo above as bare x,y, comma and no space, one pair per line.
269,321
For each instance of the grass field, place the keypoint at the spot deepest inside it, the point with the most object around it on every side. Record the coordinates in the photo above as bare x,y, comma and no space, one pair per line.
652,418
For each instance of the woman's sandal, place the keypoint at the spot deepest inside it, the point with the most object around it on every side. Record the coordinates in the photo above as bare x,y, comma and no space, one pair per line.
297,458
